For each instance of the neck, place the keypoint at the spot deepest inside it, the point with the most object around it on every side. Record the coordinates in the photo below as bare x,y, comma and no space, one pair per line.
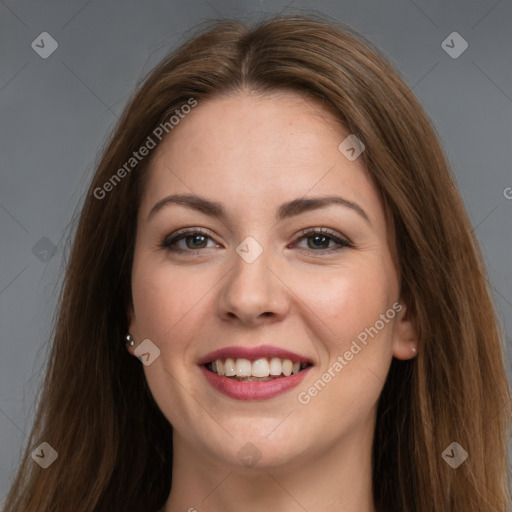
338,479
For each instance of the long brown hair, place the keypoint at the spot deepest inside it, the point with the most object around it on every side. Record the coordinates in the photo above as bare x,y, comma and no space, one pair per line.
114,445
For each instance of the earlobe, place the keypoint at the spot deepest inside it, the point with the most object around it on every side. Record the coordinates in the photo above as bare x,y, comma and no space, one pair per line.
130,342
129,338
405,342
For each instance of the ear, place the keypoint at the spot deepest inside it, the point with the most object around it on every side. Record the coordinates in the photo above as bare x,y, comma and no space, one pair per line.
405,342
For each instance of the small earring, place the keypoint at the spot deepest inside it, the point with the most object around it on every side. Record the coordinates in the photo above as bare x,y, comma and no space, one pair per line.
129,340
414,349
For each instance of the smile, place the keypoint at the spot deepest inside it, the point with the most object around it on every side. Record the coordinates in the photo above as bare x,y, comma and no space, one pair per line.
256,373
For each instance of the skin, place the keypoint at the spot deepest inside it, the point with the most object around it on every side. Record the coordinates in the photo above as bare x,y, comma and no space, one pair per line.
253,152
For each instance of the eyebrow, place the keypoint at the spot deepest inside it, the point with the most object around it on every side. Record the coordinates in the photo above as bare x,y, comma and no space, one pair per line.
286,210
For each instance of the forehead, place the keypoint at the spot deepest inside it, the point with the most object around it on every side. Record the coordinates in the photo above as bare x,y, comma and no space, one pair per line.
255,151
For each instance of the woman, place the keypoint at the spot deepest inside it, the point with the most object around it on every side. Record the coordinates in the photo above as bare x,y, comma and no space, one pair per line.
272,258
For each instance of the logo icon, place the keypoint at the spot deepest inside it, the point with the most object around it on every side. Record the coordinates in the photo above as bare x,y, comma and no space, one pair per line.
454,45
351,147
147,352
44,455
249,250
44,249
249,455
44,45
454,455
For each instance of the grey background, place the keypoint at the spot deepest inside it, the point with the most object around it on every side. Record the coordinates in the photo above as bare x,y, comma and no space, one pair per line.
57,112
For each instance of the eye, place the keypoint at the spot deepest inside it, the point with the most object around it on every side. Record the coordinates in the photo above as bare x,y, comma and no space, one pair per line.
319,240
191,239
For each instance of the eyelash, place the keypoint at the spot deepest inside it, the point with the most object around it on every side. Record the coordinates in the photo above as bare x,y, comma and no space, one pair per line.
169,241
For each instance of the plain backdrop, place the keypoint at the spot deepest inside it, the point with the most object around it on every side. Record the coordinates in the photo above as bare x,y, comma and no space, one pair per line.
56,113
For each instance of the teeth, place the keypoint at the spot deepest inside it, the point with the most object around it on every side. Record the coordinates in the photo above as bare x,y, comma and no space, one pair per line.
243,367
260,368
276,367
229,368
263,367
287,367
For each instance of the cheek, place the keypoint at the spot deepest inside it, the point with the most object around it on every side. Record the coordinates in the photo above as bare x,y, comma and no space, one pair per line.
169,302
356,349
354,320
346,301
169,306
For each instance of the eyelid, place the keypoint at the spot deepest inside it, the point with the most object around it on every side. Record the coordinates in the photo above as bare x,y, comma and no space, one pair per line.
342,241
326,231
181,234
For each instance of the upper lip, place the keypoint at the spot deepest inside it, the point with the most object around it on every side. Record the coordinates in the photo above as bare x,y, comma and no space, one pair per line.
252,353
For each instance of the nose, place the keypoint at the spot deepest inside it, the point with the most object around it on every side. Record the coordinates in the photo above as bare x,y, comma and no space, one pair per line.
253,293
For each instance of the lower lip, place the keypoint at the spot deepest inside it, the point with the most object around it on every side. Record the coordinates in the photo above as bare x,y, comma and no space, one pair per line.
253,390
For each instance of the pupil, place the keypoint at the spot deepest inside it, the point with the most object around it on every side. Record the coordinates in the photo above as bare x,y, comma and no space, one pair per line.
320,237
195,238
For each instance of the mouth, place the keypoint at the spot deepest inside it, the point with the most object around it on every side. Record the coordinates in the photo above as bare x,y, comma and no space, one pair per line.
255,373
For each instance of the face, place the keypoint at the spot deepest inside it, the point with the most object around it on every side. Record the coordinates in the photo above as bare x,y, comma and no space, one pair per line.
276,284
